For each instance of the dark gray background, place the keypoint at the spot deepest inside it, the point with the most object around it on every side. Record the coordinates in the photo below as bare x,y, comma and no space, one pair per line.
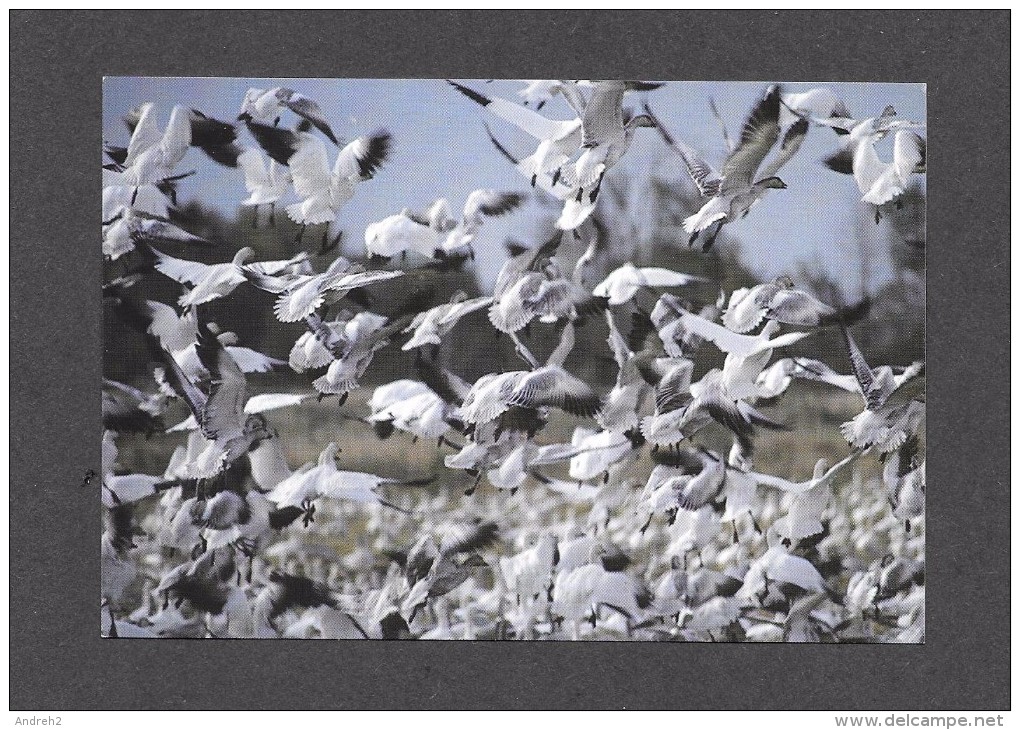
58,661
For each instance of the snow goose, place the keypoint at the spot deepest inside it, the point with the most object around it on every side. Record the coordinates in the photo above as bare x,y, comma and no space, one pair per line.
324,480
149,201
624,403
266,184
665,319
323,191
779,300
433,569
351,342
210,281
220,414
178,334
603,582
262,105
545,293
129,410
460,234
151,155
301,293
623,283
823,476
546,386
558,141
734,190
597,452
410,406
777,568
432,325
261,403
733,343
709,402
904,479
605,138
127,227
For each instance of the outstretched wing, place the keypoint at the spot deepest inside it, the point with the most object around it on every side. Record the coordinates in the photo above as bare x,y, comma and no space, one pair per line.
759,135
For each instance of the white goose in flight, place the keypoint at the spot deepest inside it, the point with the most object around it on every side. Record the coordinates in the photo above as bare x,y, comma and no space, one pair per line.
152,155
558,141
546,386
265,183
263,105
620,286
432,325
219,412
435,232
178,334
122,233
214,281
739,185
324,480
778,300
605,138
323,191
301,293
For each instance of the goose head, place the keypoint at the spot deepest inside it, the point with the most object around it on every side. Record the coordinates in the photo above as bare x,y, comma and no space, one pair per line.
771,182
257,429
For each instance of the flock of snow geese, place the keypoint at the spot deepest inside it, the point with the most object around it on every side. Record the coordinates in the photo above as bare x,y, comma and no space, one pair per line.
635,529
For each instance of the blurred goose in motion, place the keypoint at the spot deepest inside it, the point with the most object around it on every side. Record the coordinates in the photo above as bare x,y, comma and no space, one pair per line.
127,409
605,138
532,284
149,200
127,227
324,480
219,412
547,386
709,402
350,343
881,182
779,300
410,406
432,325
603,582
178,334
683,480
823,476
261,403
776,570
151,155
623,283
435,232
301,293
538,92
625,402
323,191
739,185
432,569
263,105
904,478
558,141
892,409
733,343
266,184
213,281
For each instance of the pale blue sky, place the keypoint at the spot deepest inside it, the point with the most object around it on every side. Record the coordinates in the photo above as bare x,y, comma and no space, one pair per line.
441,150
